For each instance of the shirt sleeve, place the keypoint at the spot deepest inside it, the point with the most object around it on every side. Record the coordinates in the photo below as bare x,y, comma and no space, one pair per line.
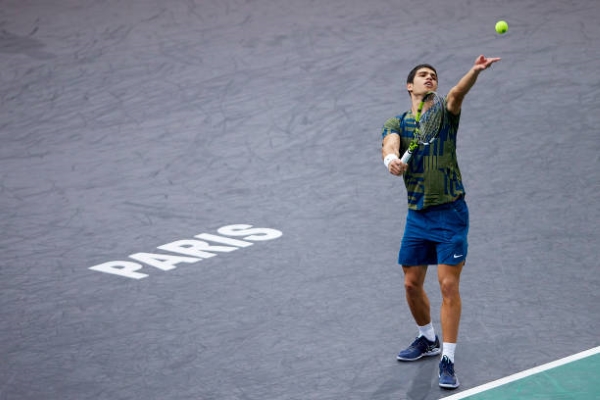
392,125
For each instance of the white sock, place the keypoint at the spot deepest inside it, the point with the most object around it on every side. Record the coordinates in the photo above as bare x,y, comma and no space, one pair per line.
448,350
427,331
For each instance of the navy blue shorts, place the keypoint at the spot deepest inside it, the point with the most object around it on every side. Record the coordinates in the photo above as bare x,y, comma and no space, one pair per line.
436,235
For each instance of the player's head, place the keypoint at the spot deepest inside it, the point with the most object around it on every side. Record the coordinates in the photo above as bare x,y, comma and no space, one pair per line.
422,70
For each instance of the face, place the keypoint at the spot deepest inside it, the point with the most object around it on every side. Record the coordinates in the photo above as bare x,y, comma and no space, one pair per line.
425,81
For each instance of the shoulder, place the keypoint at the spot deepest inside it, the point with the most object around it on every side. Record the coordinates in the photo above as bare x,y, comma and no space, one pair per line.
391,126
394,123
451,113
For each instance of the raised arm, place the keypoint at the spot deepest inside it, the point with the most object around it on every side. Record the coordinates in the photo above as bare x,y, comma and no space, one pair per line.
457,94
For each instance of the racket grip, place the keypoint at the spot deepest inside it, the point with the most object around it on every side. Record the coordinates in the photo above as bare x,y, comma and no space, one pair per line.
406,157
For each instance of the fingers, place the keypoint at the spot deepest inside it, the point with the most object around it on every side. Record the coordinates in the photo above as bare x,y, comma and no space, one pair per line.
397,167
486,60
483,63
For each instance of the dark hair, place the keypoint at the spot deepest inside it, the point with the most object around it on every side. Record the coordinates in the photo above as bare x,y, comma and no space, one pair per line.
413,72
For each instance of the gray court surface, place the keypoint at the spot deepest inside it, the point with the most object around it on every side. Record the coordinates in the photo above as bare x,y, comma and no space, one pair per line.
126,126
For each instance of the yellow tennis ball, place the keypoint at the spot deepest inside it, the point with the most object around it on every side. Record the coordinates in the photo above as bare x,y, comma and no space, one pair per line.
501,27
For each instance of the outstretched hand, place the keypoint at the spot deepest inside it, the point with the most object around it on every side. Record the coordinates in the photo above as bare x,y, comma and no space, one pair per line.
482,62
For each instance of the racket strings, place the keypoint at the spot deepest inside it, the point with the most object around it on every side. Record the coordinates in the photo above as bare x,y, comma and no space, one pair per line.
430,121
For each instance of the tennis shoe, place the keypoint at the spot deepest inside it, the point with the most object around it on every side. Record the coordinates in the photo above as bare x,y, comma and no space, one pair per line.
448,379
421,347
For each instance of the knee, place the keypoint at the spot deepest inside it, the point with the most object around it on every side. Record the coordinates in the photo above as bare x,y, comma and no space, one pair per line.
412,287
449,289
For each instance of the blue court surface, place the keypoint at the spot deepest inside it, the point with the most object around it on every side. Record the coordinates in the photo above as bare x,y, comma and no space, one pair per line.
193,203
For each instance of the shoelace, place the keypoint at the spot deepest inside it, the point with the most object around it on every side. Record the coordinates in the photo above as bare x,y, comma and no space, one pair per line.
447,366
420,343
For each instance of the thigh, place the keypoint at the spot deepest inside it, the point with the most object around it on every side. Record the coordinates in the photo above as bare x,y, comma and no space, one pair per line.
450,273
453,247
416,248
415,274
449,280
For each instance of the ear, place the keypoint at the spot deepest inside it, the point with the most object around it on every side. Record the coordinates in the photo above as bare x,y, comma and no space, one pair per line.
409,87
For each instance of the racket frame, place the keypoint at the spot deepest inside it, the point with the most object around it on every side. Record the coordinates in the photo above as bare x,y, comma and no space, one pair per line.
416,143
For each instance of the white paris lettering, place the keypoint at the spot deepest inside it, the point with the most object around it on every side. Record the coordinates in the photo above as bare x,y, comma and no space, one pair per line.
189,251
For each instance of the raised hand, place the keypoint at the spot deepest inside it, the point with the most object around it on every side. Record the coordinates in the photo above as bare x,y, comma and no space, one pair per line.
482,62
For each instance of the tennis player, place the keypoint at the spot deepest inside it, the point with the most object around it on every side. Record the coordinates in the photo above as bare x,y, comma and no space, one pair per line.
437,221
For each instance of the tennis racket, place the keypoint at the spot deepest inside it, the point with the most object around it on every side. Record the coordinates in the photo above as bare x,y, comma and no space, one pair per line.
428,124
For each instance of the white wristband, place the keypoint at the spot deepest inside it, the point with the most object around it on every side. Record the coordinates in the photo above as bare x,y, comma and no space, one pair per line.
388,159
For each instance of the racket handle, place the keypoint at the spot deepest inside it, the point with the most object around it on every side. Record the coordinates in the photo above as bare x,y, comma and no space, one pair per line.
406,157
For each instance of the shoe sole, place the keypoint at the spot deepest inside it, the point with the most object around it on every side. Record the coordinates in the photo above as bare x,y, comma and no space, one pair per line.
445,386
428,354
449,386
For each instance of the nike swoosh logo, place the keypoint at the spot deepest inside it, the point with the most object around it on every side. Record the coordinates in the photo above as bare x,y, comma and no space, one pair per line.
458,256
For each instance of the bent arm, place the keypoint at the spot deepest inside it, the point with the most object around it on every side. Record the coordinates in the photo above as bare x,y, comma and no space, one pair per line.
391,145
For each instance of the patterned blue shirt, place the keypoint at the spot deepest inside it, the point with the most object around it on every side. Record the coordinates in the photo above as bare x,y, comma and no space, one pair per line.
433,176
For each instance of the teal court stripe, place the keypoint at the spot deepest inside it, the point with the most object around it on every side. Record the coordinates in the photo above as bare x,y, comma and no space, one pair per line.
530,372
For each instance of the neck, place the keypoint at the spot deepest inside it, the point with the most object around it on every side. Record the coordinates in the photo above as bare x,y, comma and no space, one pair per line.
415,100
